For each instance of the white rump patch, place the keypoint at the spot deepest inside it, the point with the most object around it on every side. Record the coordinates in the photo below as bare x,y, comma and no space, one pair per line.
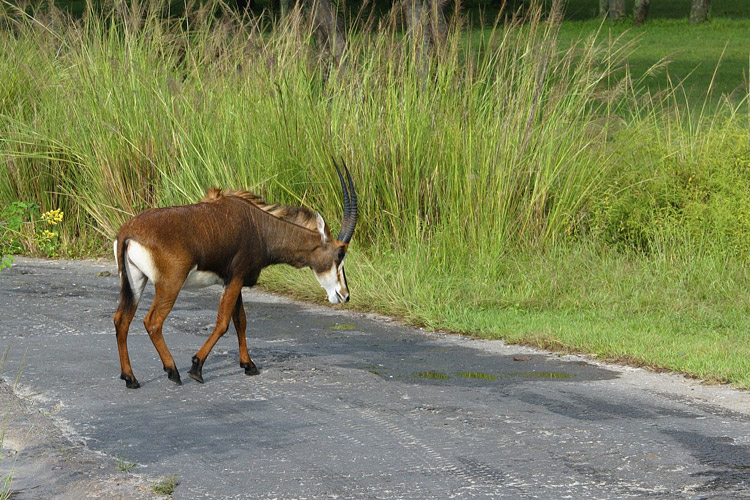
201,279
115,250
140,257
140,267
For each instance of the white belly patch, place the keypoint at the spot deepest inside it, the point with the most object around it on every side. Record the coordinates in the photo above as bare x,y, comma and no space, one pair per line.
201,279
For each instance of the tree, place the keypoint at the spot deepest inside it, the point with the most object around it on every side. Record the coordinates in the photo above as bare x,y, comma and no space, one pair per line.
699,11
640,11
425,23
603,8
612,9
616,10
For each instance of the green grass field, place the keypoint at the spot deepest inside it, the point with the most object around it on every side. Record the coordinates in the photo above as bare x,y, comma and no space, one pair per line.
709,60
524,186
578,10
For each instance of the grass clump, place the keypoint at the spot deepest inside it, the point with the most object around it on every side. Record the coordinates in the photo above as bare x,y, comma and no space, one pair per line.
124,464
166,486
512,186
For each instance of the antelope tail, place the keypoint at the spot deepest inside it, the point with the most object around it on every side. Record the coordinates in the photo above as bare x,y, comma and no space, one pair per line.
127,298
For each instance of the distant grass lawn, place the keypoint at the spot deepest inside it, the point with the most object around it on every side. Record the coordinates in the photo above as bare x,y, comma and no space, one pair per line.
693,53
660,9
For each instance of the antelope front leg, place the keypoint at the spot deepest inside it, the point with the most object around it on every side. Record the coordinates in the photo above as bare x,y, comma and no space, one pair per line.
226,307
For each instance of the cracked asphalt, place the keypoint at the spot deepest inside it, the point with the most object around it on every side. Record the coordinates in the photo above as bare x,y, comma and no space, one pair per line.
347,405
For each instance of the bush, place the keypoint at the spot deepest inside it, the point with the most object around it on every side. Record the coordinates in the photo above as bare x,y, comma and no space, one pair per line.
687,187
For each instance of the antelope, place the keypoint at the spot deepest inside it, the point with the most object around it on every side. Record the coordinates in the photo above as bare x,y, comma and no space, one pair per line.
226,238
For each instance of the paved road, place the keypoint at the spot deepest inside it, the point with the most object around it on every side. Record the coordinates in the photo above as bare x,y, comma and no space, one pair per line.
346,406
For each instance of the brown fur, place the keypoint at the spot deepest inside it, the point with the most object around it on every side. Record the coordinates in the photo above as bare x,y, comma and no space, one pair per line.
233,234
301,216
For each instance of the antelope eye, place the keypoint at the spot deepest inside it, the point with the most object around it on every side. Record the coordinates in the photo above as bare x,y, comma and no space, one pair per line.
342,253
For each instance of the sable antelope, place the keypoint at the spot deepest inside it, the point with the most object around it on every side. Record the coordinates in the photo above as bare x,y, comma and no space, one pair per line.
226,238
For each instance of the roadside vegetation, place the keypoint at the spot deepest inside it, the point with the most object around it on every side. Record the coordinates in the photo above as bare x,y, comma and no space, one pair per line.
524,182
166,486
7,479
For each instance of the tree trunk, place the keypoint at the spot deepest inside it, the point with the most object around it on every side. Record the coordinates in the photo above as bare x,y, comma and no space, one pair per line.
425,23
603,8
640,11
328,32
616,10
699,11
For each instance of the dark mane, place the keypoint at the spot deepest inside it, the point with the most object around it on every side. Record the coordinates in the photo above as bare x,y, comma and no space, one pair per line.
301,216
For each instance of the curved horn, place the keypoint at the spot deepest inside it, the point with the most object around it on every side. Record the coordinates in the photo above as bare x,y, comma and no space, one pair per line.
347,205
351,213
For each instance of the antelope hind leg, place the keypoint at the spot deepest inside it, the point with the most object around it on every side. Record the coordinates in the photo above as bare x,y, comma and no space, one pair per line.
240,322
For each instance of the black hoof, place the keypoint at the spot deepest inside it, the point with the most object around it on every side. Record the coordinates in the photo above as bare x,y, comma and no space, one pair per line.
250,368
196,371
173,375
130,381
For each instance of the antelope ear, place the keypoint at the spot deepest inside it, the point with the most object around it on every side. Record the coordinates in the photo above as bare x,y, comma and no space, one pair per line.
322,229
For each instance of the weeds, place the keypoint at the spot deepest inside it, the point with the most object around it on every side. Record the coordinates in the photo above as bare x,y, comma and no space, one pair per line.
23,228
12,219
124,464
166,486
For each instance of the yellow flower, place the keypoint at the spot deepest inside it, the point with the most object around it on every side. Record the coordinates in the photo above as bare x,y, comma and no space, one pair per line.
48,235
53,217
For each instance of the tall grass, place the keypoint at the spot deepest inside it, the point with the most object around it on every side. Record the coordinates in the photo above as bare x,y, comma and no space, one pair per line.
514,174
113,114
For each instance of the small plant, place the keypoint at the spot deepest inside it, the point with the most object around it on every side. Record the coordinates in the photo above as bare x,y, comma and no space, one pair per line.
124,464
21,222
45,239
12,219
166,486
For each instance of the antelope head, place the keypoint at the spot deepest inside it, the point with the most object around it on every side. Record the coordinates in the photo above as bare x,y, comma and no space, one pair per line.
328,264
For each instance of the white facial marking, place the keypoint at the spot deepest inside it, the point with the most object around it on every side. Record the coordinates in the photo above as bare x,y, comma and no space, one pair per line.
201,279
333,282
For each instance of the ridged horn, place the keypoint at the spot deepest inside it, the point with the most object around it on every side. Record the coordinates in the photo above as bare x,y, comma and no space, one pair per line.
351,213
